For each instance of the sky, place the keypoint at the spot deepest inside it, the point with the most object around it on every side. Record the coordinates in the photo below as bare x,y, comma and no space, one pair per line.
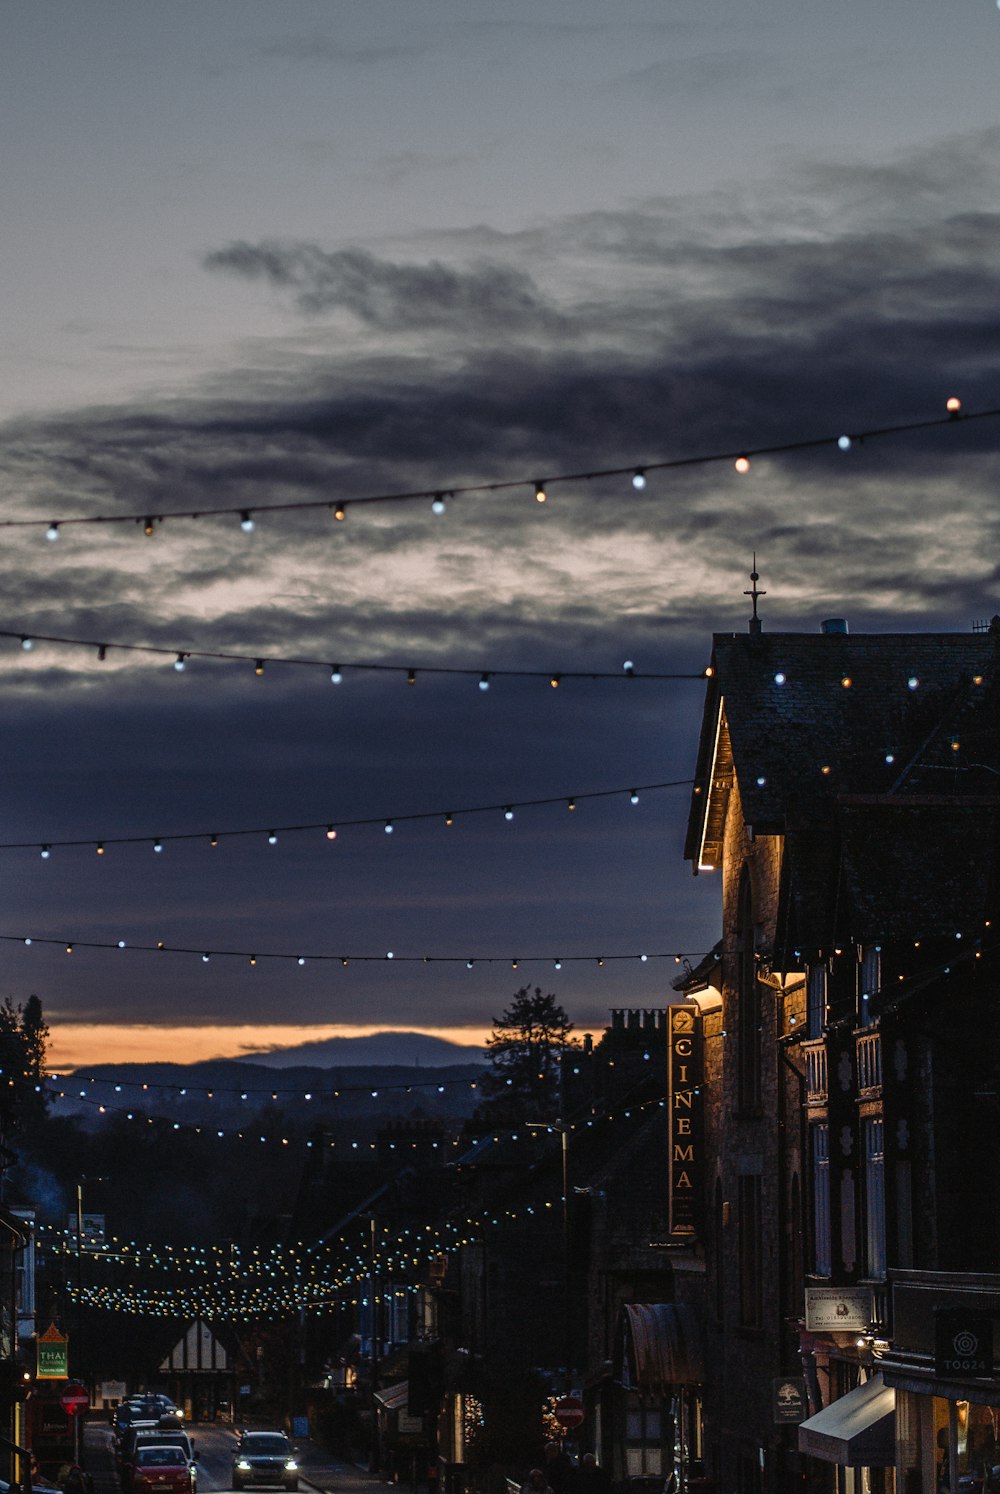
258,255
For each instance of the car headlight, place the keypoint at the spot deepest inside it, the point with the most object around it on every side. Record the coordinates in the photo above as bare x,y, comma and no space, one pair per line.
291,1465
243,1465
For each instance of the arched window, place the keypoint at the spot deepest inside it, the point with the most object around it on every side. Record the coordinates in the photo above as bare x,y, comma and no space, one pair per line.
748,1006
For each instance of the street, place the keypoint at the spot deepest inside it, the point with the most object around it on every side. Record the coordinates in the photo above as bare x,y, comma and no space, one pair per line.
214,1447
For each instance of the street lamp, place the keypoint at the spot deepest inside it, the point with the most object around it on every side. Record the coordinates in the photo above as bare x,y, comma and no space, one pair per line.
79,1296
560,1129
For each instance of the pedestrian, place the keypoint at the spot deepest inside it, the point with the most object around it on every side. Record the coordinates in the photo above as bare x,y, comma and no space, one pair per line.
536,1483
560,1469
591,1478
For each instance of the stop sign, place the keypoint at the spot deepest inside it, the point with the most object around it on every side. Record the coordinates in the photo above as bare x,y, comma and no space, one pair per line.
568,1412
74,1400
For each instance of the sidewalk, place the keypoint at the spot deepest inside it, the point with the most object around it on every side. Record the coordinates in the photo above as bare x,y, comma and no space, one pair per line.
326,1474
98,1458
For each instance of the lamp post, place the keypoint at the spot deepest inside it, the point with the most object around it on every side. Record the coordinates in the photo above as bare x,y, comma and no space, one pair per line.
560,1129
79,1299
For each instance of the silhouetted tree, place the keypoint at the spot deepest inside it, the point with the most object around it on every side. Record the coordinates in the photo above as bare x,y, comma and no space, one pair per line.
23,1037
525,1050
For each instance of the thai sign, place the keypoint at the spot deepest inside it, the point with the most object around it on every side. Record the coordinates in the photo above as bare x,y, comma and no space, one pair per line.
683,1075
53,1355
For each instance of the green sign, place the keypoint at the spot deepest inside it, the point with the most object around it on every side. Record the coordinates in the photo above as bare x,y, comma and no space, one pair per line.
53,1354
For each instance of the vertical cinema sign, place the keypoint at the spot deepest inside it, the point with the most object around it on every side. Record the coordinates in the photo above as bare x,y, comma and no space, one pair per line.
683,1078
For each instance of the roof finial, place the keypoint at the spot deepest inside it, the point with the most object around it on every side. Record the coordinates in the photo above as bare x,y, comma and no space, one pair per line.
755,623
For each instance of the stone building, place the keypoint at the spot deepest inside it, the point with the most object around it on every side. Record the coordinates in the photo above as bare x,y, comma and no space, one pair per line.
847,790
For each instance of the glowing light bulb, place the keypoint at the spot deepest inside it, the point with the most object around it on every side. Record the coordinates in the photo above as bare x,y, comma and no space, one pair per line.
912,683
779,678
742,464
411,676
953,405
148,528
205,958
558,964
335,675
246,522
508,813
847,682
331,833
258,667
27,644
844,442
540,493
46,853
638,479
389,955
388,827
890,757
633,797
438,504
484,682
157,845
100,848
180,663
340,513
272,839
554,681
52,533
571,804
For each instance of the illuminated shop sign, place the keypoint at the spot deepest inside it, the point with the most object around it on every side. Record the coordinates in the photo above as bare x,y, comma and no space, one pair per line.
683,1078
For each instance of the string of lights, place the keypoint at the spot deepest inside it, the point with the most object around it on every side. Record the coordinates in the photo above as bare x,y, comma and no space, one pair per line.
637,474
331,829
254,957
260,660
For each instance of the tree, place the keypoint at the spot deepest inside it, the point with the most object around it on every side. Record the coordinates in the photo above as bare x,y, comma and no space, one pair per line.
525,1050
23,1036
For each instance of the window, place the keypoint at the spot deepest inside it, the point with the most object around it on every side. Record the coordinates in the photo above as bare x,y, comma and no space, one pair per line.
822,1261
751,1277
644,1442
816,1001
748,1039
869,983
875,1198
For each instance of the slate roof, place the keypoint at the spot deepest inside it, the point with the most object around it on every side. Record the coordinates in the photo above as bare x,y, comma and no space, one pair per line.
877,756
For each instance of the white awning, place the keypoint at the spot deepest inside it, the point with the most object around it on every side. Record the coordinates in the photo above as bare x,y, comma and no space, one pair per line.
858,1431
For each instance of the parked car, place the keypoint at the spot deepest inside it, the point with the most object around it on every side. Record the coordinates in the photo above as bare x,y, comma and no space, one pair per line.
161,1470
265,1458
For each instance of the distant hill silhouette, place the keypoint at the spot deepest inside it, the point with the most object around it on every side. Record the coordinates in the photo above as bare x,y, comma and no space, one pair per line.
342,1076
409,1048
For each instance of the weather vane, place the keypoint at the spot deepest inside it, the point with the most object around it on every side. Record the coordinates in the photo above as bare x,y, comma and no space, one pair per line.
753,594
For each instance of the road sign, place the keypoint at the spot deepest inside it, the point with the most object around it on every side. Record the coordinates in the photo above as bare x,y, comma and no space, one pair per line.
568,1412
74,1400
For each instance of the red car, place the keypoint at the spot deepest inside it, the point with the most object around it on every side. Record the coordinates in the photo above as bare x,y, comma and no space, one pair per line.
161,1470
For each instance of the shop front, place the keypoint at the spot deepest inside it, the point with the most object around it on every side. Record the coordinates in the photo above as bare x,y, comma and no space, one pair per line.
941,1361
660,1369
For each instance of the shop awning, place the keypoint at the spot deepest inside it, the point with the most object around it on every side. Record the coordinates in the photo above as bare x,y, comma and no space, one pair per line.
858,1431
662,1346
394,1397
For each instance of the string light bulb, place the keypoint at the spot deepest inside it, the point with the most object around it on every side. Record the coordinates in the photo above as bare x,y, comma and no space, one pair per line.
148,528
540,493
484,682
246,522
953,405
46,852
508,813
258,667
180,663
438,504
638,479
27,644
844,443
340,513
52,533
742,464
411,676
335,674
331,833
633,797
555,680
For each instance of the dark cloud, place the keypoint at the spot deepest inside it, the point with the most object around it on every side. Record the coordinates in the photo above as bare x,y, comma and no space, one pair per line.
393,297
798,316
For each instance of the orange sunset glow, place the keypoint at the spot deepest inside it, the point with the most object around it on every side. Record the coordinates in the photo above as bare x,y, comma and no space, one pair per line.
78,1044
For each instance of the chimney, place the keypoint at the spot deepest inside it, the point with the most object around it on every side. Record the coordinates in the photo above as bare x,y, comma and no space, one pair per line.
834,625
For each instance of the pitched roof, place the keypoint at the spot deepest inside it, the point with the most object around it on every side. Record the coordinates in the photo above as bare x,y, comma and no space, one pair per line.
876,755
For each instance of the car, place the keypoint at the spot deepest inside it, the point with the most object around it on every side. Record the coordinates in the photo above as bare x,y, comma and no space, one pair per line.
161,1469
151,1437
265,1458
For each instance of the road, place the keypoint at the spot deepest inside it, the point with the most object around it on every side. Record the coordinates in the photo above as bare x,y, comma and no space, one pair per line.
214,1446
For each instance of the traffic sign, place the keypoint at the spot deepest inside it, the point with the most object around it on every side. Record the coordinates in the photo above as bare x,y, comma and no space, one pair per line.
568,1412
74,1400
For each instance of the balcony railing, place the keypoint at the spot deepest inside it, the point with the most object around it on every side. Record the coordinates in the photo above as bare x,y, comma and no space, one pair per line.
869,1051
816,1072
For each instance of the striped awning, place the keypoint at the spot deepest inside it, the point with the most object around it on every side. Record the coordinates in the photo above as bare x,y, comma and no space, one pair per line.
662,1346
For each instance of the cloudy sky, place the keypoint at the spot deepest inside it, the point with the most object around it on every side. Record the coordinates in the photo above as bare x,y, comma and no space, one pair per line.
258,255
